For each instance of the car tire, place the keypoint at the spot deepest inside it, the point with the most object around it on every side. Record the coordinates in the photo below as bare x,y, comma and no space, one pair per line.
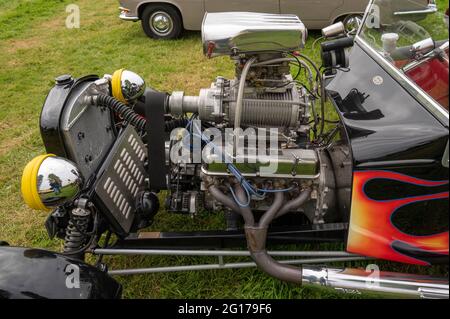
161,22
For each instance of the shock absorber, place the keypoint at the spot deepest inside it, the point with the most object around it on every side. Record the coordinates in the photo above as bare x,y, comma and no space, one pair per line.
76,231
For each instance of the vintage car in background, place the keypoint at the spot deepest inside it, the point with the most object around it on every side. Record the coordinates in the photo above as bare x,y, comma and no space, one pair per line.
168,18
373,178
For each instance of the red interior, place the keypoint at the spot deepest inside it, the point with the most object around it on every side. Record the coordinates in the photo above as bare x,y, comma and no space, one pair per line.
432,77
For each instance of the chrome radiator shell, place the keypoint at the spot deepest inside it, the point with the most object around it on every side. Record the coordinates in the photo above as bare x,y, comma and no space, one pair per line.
231,33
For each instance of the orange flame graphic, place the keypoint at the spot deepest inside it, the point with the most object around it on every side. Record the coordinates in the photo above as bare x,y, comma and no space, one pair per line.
371,231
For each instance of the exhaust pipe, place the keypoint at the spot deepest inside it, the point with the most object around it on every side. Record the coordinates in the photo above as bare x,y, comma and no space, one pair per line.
347,280
389,284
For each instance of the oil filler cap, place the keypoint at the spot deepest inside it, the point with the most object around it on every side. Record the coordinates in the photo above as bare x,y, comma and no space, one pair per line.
64,80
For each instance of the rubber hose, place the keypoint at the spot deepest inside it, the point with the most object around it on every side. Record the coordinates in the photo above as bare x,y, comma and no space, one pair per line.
129,115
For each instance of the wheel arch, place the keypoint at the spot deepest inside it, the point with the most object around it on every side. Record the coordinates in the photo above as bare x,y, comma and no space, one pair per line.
141,7
341,16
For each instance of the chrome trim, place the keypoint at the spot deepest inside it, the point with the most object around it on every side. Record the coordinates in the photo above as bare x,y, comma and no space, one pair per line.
229,33
123,16
431,8
387,283
422,97
132,85
414,64
161,23
248,175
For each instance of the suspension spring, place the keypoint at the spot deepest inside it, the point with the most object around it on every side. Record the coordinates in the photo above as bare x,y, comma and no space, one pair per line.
76,230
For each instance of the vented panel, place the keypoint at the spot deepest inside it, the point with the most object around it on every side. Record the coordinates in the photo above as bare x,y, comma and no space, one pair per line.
122,177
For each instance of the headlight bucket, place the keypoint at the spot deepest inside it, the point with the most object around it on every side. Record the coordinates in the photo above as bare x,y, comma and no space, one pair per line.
127,86
49,181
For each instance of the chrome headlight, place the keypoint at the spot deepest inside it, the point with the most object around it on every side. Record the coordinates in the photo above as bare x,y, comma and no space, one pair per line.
49,181
127,86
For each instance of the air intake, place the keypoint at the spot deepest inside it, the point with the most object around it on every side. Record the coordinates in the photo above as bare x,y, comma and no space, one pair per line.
231,33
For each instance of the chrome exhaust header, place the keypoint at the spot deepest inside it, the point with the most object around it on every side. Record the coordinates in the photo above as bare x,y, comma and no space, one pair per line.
388,284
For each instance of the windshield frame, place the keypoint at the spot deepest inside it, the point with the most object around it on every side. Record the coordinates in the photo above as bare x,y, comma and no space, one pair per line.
420,95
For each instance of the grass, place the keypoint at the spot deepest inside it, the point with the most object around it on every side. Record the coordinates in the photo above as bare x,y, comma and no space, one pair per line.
35,47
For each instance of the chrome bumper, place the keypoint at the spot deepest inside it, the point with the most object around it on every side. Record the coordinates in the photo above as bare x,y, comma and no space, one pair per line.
125,17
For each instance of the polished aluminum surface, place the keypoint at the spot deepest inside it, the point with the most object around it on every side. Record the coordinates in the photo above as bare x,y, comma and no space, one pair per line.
133,85
230,33
58,182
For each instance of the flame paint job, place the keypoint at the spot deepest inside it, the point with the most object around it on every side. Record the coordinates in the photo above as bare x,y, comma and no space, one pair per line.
371,231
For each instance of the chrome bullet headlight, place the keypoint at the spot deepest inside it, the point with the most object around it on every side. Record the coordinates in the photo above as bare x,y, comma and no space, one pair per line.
49,181
127,86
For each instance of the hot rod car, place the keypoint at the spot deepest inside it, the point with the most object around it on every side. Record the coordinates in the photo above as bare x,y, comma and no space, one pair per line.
261,148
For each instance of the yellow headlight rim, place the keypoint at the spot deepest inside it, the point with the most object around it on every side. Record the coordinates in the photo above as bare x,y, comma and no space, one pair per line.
116,85
29,183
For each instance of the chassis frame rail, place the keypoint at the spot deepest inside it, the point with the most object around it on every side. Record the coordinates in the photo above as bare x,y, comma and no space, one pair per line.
312,257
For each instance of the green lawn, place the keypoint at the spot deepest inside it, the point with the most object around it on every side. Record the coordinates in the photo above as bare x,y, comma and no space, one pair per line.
35,47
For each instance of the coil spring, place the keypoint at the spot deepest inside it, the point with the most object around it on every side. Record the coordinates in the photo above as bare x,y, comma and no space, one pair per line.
132,117
76,233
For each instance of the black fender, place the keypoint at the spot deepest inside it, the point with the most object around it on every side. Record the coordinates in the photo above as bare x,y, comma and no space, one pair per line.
39,274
